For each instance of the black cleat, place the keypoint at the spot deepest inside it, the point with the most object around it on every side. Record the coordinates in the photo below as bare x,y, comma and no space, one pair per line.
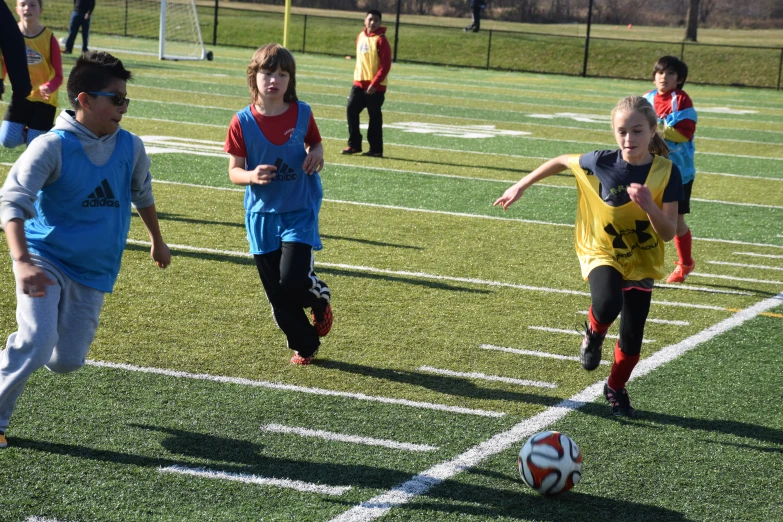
590,352
619,401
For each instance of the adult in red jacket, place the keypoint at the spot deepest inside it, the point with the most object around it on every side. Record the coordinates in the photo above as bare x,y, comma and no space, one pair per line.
373,61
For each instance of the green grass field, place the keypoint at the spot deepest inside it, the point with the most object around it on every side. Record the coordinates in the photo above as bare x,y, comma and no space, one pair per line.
434,290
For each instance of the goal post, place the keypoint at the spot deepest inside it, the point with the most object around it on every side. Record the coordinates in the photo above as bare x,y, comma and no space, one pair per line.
179,36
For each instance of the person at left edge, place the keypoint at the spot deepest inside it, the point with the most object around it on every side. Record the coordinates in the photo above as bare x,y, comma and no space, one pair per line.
26,119
14,56
66,210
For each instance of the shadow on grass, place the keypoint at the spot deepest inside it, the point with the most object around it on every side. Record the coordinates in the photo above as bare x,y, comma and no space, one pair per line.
726,426
165,216
720,287
435,285
443,384
513,501
199,450
248,261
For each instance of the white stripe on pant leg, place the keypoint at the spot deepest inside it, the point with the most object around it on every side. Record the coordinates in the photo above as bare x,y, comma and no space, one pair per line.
420,484
318,286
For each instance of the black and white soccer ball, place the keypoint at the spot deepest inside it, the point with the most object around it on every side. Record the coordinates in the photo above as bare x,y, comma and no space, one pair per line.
550,462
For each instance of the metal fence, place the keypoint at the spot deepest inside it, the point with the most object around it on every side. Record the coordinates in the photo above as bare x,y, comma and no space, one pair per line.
438,45
503,50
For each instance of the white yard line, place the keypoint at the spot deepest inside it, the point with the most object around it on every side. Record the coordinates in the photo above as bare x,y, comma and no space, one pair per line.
574,332
295,388
534,353
743,265
341,437
653,320
424,275
680,286
485,377
298,485
420,484
732,278
754,254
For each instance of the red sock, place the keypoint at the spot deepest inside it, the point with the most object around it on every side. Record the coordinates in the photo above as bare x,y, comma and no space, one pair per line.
683,244
595,326
622,368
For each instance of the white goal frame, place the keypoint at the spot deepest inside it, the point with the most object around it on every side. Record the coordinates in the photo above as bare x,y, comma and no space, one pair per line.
163,54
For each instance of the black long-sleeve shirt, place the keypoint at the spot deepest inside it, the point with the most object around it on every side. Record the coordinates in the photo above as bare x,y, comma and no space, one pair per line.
14,54
83,6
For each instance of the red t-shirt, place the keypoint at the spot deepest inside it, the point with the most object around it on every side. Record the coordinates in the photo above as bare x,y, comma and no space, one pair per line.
277,129
663,107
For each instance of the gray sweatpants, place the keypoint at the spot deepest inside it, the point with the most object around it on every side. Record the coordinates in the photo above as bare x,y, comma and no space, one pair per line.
54,331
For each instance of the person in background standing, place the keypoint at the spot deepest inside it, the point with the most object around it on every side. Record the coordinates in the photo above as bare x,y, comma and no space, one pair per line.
476,7
80,17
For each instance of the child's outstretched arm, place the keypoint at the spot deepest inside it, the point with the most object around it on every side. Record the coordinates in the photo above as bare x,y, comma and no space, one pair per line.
663,220
515,191
159,250
314,161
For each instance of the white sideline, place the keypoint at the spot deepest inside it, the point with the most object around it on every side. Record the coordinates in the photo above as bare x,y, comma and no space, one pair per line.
485,377
306,487
341,437
423,482
295,388
424,275
534,353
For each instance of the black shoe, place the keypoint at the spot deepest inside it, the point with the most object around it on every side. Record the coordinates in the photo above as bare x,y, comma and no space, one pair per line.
590,352
351,150
372,154
619,401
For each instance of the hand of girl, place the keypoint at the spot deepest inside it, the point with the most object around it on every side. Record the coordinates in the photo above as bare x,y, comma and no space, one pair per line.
314,161
641,195
45,92
262,174
513,193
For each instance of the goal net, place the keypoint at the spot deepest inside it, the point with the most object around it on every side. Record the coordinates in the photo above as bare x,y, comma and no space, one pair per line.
167,28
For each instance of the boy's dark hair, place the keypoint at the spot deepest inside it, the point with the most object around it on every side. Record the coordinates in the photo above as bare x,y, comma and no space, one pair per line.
675,64
269,57
93,72
374,12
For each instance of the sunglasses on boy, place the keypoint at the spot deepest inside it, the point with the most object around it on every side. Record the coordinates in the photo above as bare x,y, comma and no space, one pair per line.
116,98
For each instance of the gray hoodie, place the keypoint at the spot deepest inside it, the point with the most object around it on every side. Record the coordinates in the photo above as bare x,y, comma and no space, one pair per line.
41,165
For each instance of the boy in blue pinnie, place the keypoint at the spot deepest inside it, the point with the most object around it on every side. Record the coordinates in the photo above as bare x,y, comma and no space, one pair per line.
276,152
66,208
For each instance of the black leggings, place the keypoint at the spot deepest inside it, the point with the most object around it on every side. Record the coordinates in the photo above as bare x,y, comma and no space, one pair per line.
291,286
609,300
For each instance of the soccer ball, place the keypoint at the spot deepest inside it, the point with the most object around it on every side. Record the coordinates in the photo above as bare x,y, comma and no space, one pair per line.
62,41
550,462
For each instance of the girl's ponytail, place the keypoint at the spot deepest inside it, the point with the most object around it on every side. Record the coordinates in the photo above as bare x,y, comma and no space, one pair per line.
641,105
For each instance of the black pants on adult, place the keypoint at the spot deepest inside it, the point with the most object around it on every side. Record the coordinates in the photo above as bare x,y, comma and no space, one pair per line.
358,100
476,25
291,286
609,299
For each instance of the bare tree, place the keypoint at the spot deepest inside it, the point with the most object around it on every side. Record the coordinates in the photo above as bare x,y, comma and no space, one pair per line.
693,21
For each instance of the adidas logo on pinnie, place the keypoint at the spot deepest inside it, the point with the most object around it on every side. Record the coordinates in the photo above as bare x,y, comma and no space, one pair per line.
284,172
102,196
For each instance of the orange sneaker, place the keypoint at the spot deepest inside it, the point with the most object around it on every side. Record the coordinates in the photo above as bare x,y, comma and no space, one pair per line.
303,361
680,272
3,440
322,321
